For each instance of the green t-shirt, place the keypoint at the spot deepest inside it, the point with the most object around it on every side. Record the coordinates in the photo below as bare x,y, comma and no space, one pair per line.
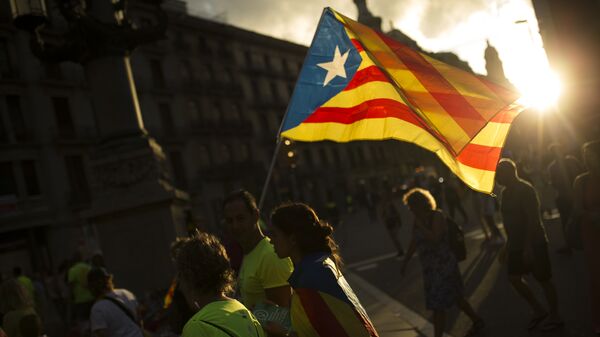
262,269
231,316
78,278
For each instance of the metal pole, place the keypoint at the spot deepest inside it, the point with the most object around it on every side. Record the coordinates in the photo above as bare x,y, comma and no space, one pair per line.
269,174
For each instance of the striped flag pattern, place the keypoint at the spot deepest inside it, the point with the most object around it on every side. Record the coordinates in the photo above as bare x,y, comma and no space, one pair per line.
324,304
388,91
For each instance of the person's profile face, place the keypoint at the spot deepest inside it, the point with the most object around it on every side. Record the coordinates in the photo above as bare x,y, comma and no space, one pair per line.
239,219
281,242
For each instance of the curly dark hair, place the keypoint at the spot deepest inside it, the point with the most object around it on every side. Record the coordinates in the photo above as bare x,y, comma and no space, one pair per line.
312,234
419,198
202,263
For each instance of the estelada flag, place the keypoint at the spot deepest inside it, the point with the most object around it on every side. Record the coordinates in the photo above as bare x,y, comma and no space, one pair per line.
358,84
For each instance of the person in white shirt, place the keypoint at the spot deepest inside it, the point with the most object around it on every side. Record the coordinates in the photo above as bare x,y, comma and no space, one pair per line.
114,313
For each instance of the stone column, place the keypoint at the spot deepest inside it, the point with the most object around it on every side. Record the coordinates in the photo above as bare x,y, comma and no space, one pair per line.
136,211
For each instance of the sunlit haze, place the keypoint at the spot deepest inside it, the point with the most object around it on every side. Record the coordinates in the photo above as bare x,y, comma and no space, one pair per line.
461,27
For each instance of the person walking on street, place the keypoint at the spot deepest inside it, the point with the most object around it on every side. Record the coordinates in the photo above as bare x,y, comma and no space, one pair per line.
562,172
115,311
389,215
587,211
441,277
323,304
526,249
263,276
205,277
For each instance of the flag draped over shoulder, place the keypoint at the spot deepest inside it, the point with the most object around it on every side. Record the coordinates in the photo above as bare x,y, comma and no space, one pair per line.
358,84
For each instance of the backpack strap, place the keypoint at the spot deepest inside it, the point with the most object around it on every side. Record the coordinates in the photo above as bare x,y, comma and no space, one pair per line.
122,306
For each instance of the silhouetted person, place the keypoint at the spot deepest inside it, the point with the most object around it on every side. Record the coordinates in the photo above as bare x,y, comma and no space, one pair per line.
263,276
453,202
441,277
206,279
390,217
20,318
24,281
526,250
562,172
587,210
115,311
298,233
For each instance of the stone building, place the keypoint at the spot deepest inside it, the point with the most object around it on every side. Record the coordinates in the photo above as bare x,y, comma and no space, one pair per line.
212,95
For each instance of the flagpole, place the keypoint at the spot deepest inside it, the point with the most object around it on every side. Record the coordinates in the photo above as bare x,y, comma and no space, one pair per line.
270,172
278,144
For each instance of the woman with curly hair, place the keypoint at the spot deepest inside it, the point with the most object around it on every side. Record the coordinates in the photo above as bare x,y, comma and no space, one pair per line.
206,278
441,276
323,304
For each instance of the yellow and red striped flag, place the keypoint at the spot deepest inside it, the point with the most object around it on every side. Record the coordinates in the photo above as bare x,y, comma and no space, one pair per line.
358,84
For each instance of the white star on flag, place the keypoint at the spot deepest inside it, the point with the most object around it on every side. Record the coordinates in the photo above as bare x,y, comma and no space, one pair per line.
336,66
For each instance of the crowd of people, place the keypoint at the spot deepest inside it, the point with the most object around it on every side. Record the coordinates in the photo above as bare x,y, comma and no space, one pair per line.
286,278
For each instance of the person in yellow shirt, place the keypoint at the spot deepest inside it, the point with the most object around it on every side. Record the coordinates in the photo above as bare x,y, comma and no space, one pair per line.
263,276
24,281
81,296
205,278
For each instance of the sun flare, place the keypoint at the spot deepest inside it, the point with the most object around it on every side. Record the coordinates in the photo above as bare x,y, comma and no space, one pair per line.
540,89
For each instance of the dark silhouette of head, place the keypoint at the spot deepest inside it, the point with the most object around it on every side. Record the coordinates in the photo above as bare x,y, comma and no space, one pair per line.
419,201
506,172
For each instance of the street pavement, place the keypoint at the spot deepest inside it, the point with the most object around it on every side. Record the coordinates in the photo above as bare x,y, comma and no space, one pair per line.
396,304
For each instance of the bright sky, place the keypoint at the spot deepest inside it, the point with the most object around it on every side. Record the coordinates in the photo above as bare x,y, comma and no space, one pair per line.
459,26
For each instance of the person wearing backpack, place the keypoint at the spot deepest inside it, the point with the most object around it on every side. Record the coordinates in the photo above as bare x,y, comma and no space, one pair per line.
114,313
441,277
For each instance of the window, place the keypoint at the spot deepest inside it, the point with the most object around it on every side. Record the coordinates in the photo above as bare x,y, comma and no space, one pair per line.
193,110
275,93
186,71
204,156
158,77
206,73
15,115
78,182
180,178
5,67
8,184
32,185
62,114
166,119
234,111
224,154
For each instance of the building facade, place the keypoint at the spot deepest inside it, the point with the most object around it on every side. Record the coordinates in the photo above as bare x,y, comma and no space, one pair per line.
212,95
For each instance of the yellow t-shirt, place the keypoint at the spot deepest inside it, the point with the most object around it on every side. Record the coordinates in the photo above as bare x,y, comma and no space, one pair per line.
78,277
26,282
262,269
231,316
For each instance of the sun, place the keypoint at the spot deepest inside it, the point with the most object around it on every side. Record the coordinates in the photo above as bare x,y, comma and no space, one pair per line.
540,89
